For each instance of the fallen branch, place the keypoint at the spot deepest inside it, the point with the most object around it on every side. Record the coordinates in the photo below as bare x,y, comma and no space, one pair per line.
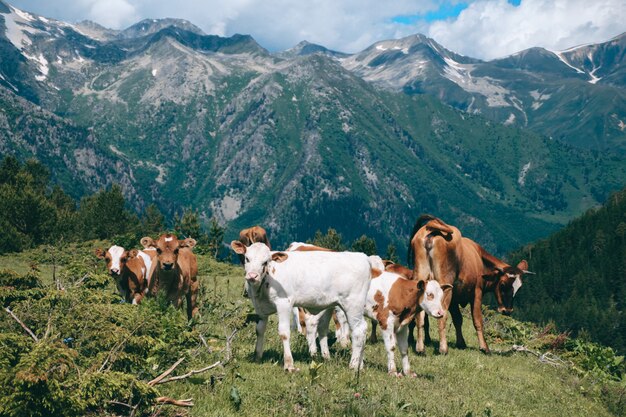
180,403
546,357
187,375
166,373
25,327
229,350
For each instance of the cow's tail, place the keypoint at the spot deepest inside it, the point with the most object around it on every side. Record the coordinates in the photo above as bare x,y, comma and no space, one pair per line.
377,266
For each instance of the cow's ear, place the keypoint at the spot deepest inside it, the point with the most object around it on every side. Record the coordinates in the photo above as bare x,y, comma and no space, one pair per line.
279,257
238,247
387,262
133,253
99,253
523,265
147,242
187,243
446,286
421,285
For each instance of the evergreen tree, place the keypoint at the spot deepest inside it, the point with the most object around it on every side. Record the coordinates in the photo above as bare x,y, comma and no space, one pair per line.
216,237
104,215
365,244
392,254
331,240
153,221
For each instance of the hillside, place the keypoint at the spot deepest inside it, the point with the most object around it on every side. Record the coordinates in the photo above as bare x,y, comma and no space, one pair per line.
306,139
580,276
95,356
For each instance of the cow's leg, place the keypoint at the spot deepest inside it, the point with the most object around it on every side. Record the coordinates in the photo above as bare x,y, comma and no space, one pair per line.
295,321
477,317
311,322
389,338
427,339
284,331
342,330
322,331
192,295
457,320
261,325
421,320
441,323
373,338
137,297
358,329
402,338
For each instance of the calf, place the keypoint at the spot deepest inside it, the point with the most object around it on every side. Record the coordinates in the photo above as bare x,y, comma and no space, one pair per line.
439,250
131,270
278,281
314,325
175,270
393,302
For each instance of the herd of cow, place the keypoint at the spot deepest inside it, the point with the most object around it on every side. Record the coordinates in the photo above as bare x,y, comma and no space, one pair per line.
307,285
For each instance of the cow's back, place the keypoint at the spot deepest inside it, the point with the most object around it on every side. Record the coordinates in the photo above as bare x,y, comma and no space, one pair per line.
322,278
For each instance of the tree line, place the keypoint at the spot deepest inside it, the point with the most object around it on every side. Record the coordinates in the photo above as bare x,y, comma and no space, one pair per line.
35,212
580,283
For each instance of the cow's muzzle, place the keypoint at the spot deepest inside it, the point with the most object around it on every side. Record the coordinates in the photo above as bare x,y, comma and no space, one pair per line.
252,277
168,267
114,272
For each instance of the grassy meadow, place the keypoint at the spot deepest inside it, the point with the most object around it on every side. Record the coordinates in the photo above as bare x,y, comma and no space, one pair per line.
95,356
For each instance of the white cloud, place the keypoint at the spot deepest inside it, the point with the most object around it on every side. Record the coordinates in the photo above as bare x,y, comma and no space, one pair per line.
485,29
494,28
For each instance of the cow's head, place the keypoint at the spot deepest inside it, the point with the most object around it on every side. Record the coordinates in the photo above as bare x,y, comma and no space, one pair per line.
509,282
431,296
115,257
256,259
167,247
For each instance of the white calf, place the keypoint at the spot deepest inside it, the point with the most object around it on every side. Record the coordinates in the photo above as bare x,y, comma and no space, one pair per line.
393,302
278,281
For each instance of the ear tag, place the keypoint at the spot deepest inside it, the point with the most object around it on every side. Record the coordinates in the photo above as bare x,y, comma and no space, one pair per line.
517,284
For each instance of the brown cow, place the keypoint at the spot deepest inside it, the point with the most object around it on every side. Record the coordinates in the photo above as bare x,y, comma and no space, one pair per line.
439,250
252,235
130,269
175,270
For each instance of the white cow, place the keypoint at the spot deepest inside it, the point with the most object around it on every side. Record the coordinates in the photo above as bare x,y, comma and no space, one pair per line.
393,302
278,281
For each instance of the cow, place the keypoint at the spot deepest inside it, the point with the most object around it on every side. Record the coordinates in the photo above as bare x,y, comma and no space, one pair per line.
175,270
405,273
393,302
439,250
252,235
131,270
308,324
278,281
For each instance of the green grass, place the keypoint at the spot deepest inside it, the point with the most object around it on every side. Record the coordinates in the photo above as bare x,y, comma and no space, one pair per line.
463,383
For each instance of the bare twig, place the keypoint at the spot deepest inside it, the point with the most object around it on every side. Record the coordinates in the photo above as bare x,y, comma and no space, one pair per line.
180,403
122,404
166,373
187,375
29,331
204,342
229,350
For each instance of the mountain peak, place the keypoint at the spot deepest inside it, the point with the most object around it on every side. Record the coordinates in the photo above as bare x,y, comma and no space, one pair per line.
151,26
307,48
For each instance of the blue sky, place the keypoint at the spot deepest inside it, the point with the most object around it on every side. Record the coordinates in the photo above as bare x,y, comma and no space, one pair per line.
479,28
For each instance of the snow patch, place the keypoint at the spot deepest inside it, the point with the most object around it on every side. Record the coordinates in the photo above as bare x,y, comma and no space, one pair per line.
563,60
25,16
510,120
17,28
381,48
539,98
521,179
154,72
294,98
42,63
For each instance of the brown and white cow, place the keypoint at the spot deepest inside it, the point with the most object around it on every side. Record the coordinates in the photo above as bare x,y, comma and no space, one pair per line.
131,270
174,271
393,302
439,250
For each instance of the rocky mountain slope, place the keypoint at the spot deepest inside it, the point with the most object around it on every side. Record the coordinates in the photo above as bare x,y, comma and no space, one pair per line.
301,141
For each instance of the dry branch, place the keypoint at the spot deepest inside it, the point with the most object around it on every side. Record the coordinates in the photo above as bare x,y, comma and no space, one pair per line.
187,375
166,373
25,327
180,403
